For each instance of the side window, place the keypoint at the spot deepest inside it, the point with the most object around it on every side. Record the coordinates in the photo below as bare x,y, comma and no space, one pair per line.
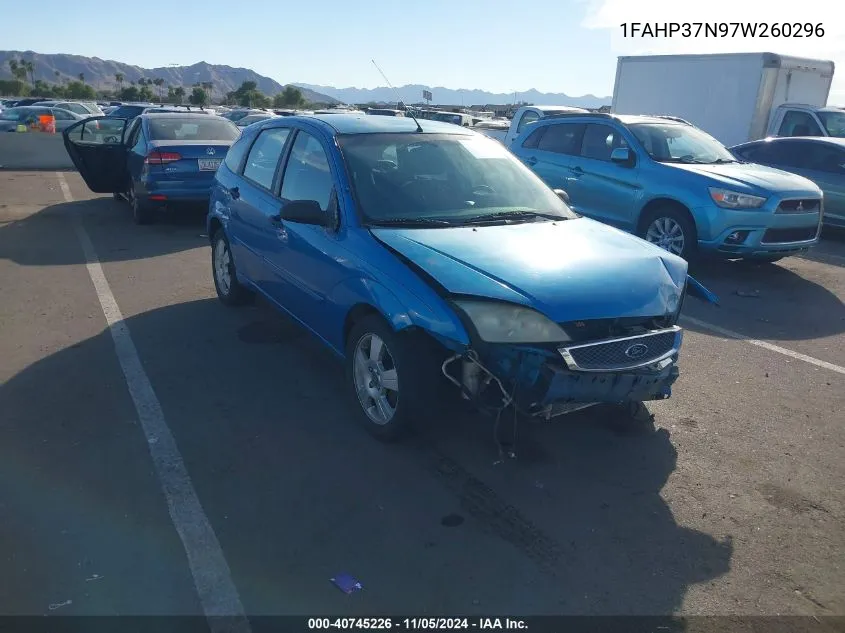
62,115
533,139
562,138
264,156
237,152
600,140
797,123
819,157
527,117
133,133
307,174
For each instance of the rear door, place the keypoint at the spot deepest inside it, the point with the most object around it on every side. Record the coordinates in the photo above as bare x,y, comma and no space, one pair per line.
598,187
550,150
96,148
253,205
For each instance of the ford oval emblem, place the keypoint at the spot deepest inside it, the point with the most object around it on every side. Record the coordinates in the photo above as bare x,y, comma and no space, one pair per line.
637,350
210,151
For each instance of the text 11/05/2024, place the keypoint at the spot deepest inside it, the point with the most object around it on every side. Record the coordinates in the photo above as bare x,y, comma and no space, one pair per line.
722,29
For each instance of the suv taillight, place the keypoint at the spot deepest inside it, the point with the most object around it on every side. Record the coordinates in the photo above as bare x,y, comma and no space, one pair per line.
161,158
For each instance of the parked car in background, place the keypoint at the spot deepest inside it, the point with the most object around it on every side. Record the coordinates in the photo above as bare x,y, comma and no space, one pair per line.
29,115
493,128
254,118
238,114
529,114
130,111
672,184
154,161
83,109
431,258
385,112
820,159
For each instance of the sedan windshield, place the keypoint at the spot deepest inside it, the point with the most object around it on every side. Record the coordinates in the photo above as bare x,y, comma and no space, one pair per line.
834,123
679,143
191,128
444,179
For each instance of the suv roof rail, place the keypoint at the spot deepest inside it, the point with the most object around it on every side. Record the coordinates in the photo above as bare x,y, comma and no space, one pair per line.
569,115
670,117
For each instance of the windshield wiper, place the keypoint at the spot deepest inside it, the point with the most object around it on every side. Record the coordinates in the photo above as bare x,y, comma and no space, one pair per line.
724,161
510,215
409,222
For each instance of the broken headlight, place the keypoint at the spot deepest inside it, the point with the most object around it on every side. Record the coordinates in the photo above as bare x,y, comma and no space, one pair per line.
509,323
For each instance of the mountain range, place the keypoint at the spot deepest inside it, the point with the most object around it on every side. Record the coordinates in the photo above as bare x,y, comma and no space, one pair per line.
100,74
446,96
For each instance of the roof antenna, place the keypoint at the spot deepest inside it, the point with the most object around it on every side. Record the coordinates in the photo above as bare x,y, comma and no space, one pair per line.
398,100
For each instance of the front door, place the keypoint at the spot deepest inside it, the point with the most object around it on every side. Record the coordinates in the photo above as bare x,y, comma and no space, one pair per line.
96,148
599,188
308,260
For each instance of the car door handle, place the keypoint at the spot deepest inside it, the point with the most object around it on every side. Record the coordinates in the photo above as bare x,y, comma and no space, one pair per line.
276,220
531,160
576,170
234,192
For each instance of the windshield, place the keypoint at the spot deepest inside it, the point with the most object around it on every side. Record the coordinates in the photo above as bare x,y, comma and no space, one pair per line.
678,143
191,128
834,123
442,177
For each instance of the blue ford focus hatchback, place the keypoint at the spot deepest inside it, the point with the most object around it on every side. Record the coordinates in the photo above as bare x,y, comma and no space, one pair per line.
428,257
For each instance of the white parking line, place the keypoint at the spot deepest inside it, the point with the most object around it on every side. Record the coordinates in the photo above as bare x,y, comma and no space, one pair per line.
212,578
769,346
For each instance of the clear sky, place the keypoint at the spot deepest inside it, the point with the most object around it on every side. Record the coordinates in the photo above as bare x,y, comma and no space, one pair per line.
552,45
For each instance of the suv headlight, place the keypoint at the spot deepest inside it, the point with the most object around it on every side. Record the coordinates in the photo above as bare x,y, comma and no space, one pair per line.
508,323
735,200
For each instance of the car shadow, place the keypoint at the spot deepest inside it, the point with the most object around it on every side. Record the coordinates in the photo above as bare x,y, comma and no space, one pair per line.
767,301
108,222
575,524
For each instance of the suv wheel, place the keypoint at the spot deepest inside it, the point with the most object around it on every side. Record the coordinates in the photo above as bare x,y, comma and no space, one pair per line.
672,230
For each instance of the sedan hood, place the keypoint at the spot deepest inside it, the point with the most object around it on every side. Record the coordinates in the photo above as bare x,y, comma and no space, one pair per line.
751,178
570,270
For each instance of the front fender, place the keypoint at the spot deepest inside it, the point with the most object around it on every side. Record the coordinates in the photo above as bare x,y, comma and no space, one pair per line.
402,309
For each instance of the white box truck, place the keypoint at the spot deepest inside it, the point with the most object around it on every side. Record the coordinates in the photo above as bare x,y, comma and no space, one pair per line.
735,97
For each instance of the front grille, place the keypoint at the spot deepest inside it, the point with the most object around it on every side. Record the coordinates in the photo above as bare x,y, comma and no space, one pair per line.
804,205
782,236
623,353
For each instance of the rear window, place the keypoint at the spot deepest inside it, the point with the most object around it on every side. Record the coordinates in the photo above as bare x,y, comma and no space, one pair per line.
191,128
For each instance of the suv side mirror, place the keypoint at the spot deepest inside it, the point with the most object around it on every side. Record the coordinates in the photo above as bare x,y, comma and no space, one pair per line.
305,212
622,156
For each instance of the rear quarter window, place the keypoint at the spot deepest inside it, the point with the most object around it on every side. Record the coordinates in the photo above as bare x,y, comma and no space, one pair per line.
235,156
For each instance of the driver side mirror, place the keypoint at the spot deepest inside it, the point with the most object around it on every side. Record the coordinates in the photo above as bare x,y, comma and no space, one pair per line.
305,212
622,156
562,195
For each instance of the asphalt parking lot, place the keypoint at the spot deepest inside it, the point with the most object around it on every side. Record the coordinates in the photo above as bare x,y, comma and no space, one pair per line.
224,471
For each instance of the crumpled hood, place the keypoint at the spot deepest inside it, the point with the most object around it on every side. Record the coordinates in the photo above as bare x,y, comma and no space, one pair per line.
752,178
570,270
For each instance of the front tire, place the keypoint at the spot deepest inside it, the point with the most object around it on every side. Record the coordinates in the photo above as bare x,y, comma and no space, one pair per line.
672,230
229,290
389,379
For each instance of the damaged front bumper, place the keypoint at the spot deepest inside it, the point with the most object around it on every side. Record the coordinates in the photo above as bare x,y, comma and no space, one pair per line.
548,382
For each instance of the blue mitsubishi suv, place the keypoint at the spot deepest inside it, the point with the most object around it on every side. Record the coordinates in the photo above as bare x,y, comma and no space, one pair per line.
673,185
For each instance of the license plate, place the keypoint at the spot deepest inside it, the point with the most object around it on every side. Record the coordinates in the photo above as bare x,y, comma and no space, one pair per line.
210,164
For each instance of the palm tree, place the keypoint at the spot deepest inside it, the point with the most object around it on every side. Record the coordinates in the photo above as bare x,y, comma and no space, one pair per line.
29,67
179,93
81,77
58,76
159,82
119,77
208,86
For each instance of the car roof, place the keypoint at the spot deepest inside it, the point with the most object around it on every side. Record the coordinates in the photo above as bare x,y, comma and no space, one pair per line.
170,114
369,124
829,140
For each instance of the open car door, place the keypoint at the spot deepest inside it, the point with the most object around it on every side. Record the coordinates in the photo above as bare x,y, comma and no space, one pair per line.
96,147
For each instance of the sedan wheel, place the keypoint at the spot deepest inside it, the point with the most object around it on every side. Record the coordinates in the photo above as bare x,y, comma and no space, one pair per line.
141,211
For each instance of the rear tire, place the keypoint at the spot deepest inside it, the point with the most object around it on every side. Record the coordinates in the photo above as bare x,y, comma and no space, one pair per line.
672,229
142,212
229,290
391,377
